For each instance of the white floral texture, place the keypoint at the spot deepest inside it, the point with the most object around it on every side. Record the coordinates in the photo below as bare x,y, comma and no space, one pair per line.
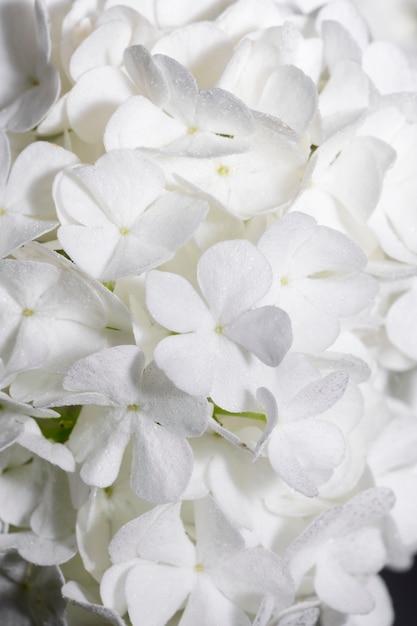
208,310
213,341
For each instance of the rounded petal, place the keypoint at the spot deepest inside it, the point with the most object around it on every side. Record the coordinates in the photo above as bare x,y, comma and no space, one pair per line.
233,276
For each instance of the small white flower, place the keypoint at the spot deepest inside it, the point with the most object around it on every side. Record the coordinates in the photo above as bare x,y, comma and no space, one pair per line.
211,352
133,402
116,219
157,568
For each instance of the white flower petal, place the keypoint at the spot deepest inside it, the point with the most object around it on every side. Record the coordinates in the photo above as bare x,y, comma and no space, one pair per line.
157,535
100,90
291,96
207,606
166,294
211,523
265,331
197,356
139,123
340,590
233,276
114,373
146,74
154,603
162,462
185,415
317,397
246,577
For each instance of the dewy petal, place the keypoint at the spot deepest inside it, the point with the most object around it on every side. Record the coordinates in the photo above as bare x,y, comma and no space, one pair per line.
28,194
98,441
327,250
146,74
291,96
72,592
207,606
247,576
357,175
18,229
155,592
233,276
162,462
265,331
157,535
280,241
169,222
104,46
203,47
32,439
166,294
317,397
30,83
100,90
182,86
319,445
185,415
124,183
222,113
38,550
283,459
211,524
127,127
179,355
114,372
340,590
76,241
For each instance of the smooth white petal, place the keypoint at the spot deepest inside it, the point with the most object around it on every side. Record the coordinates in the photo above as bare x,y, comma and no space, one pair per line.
282,457
139,123
207,606
93,100
265,331
185,415
211,524
166,295
146,74
179,355
202,47
104,46
162,462
246,577
157,535
233,276
291,96
154,592
340,590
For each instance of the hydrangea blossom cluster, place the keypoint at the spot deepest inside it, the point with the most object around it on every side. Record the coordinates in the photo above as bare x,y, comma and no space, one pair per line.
208,303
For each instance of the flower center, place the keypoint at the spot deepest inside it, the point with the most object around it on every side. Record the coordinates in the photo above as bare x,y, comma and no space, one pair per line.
28,312
199,567
223,170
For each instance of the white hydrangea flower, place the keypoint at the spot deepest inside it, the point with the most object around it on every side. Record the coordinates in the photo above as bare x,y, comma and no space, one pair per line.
180,118
30,82
317,278
210,352
218,578
131,401
27,209
344,545
120,205
50,317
